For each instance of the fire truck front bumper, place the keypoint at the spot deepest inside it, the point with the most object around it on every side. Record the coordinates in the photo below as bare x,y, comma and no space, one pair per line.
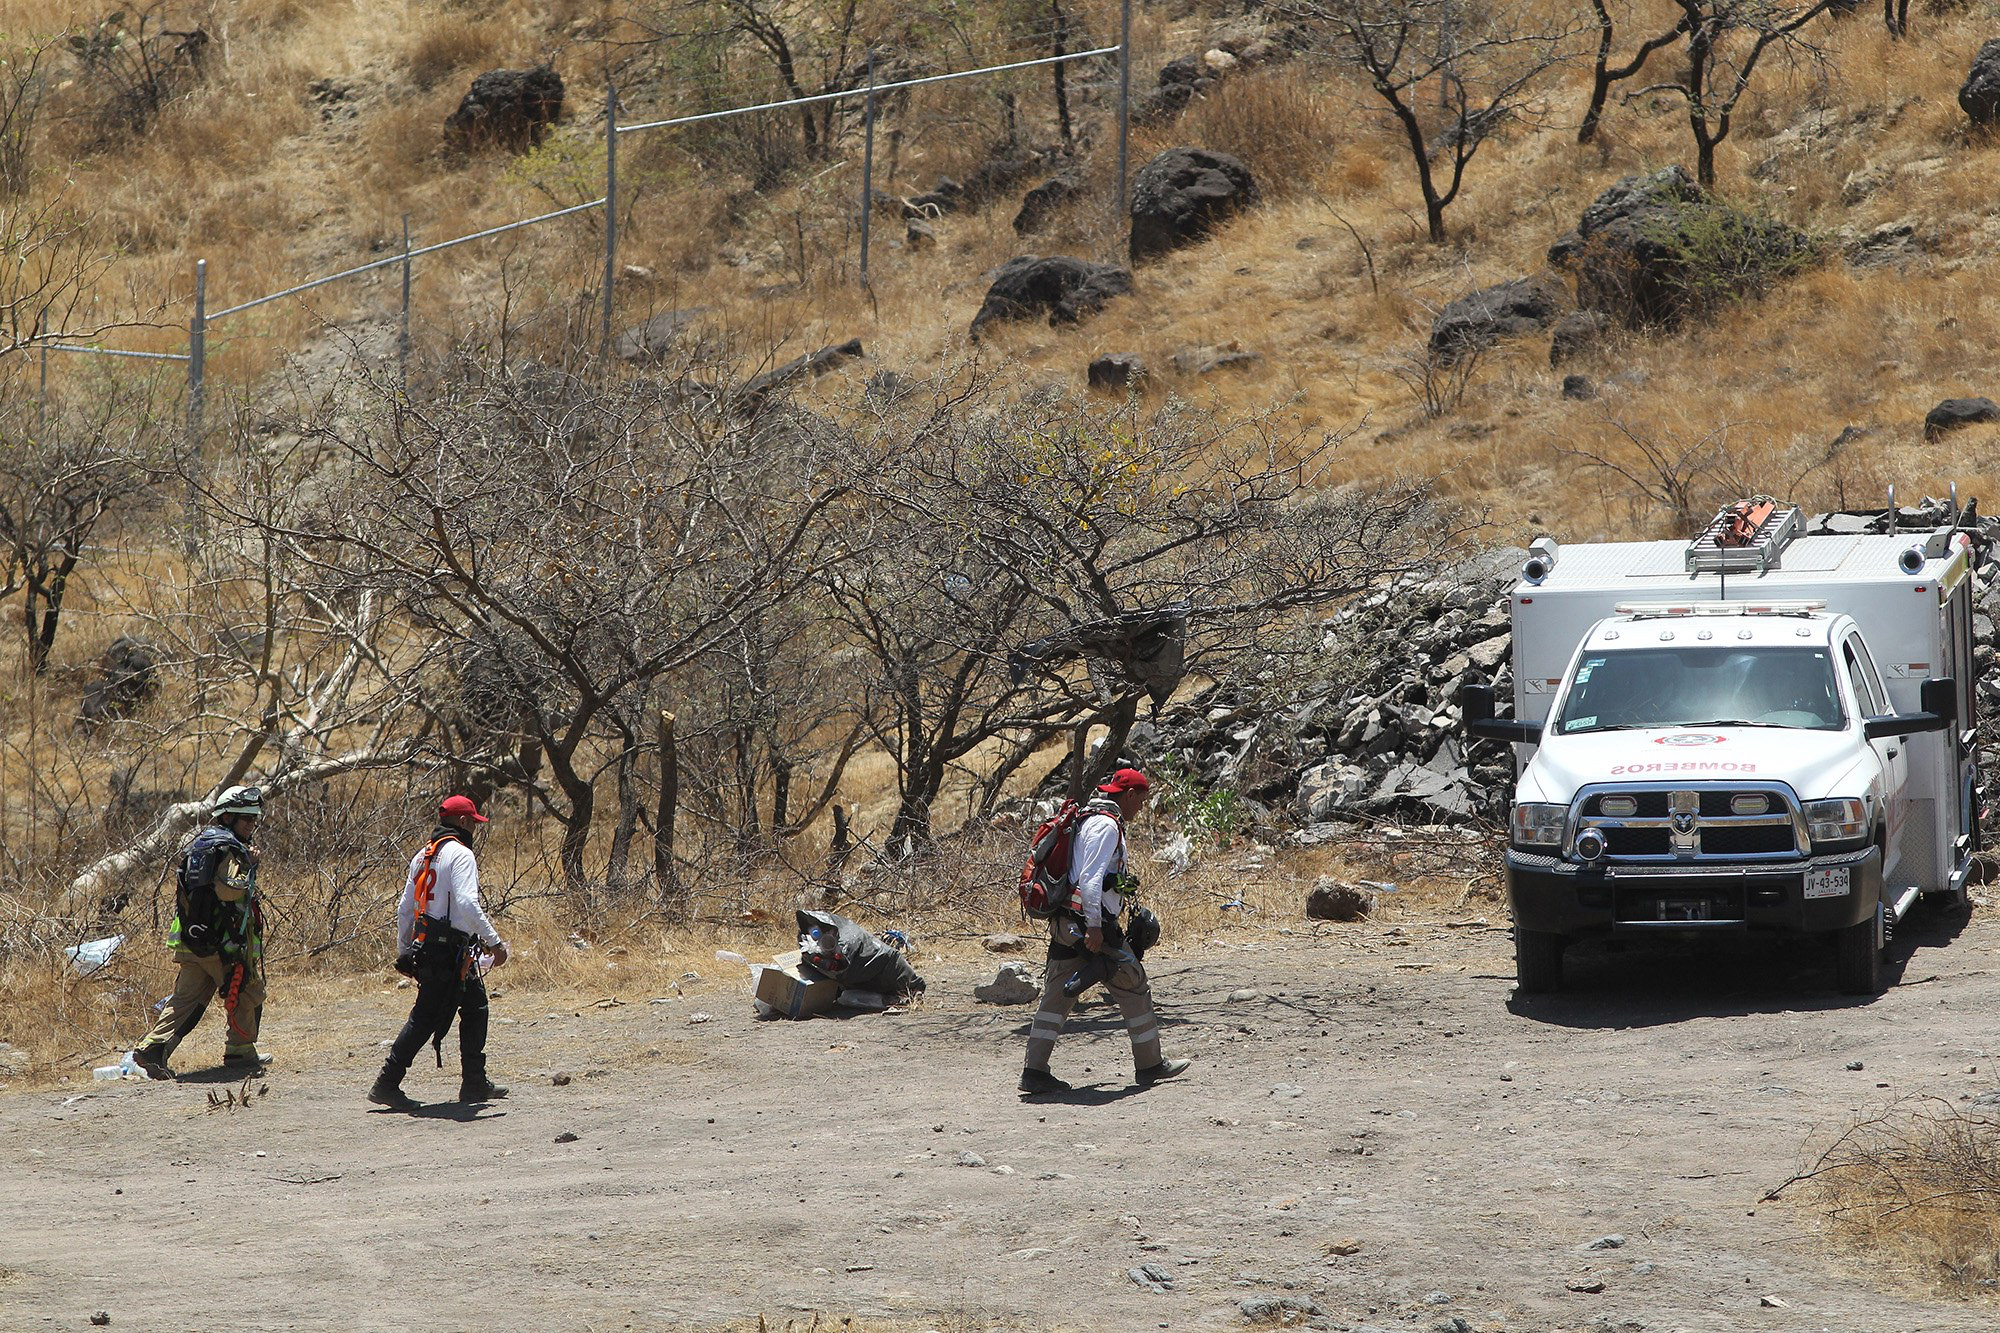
1809,896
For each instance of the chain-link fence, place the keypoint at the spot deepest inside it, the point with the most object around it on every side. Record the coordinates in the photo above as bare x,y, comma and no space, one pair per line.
872,95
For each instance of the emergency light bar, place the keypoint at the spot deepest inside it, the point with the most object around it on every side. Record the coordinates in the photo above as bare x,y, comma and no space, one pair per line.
1802,607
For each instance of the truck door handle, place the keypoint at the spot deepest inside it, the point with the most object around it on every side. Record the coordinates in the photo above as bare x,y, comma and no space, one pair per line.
1894,753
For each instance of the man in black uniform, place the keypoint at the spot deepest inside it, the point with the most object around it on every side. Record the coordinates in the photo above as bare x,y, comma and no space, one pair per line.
441,933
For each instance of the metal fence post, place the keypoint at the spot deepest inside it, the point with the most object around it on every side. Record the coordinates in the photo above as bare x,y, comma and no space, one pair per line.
1124,96
403,337
610,206
867,167
197,374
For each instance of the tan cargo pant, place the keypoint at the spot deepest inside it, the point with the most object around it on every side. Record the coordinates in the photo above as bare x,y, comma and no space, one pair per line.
200,978
1127,987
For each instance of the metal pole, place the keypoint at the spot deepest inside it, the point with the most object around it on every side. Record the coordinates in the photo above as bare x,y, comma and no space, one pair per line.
403,339
867,168
197,370
1124,96
610,205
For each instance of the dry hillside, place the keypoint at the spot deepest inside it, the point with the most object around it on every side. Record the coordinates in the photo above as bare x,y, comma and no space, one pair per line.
317,128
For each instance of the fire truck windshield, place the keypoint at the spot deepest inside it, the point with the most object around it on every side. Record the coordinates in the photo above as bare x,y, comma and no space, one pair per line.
1750,686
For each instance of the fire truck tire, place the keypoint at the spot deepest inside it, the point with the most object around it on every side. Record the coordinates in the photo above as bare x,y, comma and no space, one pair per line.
1858,957
1538,961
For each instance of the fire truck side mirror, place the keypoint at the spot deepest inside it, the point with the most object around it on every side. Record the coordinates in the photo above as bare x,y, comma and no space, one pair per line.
1939,709
1475,705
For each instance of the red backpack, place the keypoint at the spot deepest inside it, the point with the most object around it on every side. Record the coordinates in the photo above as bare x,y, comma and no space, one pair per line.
1045,886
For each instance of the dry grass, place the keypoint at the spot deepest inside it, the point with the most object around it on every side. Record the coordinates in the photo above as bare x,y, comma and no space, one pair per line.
1915,1190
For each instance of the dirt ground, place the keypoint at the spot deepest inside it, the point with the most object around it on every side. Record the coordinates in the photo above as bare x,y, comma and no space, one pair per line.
1376,1133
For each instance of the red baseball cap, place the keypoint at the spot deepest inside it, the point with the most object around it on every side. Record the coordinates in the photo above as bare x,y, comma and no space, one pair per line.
1125,779
462,805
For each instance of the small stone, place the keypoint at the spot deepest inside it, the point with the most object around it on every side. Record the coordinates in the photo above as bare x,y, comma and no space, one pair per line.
1278,1309
971,1159
861,1268
1438,1298
1288,1090
101,1318
1612,1242
1003,1170
1588,1286
699,1017
1578,388
567,1136
560,1080
1642,1268
1344,1246
1151,1276
1247,993
1855,1065
1774,1302
1003,943
1012,984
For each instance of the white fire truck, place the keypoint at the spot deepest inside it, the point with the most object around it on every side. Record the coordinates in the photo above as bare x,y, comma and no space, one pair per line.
1754,731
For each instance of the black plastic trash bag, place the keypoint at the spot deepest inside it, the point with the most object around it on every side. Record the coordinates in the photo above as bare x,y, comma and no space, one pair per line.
835,947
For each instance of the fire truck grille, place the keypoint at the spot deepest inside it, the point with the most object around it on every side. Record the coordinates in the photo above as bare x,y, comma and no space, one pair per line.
1641,824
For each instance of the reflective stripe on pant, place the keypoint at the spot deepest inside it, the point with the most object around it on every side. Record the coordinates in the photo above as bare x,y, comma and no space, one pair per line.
1135,1002
198,981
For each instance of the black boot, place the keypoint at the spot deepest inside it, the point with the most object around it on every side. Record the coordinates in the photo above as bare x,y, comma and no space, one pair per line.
388,1089
474,1086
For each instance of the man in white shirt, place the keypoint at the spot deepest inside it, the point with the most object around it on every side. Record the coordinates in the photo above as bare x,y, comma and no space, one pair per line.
441,931
1089,926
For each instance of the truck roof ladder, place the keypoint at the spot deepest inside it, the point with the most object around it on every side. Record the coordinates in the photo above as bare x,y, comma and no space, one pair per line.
1748,536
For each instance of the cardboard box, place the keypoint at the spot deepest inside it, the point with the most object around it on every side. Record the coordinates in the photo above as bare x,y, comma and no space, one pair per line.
795,993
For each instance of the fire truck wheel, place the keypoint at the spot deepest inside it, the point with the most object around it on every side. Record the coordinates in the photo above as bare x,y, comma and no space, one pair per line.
1538,961
1858,957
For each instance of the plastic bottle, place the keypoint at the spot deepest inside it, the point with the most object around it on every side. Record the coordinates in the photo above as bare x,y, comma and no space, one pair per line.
125,1068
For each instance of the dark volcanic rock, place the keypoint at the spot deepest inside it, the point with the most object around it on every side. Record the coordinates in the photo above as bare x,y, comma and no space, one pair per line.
1957,413
1980,95
1068,289
1479,319
1115,372
128,676
506,108
1040,205
1181,195
1652,249
756,390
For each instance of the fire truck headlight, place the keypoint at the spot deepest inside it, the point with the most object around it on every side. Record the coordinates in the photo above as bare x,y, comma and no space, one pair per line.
1842,820
1538,825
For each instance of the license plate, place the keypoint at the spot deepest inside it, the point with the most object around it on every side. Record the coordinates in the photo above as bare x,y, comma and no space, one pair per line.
1683,909
1826,882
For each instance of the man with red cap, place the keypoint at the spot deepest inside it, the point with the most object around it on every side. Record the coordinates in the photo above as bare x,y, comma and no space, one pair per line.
1088,925
441,931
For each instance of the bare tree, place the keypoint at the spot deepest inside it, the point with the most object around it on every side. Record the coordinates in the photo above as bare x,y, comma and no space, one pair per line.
812,48
73,463
1480,64
584,541
24,89
51,276
1725,42
1603,73
1680,475
1052,564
